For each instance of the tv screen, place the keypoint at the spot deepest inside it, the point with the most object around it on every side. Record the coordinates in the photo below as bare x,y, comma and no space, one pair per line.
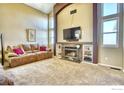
72,33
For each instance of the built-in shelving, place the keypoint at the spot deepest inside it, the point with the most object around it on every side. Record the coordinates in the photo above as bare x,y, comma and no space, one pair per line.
82,51
88,52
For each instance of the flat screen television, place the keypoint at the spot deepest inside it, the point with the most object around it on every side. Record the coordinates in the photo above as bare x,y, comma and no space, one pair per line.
72,33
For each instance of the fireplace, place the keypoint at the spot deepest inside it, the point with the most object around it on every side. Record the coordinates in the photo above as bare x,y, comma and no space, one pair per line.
72,52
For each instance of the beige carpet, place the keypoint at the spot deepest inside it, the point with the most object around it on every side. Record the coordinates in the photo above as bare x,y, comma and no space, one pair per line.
60,72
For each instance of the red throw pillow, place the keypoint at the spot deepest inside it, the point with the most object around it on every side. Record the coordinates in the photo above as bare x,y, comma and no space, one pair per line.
18,51
43,48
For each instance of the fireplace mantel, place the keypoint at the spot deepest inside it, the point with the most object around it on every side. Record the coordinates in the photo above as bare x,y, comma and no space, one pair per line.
74,42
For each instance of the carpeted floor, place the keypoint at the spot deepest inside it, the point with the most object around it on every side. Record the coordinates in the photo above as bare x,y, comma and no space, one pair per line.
60,72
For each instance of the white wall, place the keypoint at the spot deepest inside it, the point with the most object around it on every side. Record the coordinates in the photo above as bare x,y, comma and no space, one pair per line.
16,18
83,18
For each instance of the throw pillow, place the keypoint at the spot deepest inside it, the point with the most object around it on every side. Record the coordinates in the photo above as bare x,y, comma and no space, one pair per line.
34,47
9,49
18,51
43,48
26,47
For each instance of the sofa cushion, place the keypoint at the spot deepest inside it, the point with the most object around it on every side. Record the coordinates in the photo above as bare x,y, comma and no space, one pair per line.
34,51
26,47
34,46
28,52
11,54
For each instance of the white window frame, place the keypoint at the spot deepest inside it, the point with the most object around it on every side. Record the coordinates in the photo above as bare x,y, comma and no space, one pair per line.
109,18
117,32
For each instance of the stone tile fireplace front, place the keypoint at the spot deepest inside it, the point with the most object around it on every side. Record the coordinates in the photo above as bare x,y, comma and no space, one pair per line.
72,52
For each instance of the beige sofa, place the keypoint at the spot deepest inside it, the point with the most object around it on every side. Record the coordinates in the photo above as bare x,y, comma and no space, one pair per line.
32,53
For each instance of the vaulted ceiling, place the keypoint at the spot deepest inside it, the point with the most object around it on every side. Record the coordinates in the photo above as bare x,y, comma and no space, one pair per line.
44,7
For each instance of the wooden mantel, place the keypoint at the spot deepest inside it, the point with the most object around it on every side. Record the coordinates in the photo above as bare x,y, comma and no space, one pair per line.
74,42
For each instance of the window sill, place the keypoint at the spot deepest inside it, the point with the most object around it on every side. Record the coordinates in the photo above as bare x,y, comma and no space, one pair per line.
110,46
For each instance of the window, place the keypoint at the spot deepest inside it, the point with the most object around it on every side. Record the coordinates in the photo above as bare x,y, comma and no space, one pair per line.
51,31
42,37
110,32
51,37
110,24
109,9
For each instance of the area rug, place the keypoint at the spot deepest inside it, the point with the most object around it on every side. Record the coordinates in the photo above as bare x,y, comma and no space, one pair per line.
61,72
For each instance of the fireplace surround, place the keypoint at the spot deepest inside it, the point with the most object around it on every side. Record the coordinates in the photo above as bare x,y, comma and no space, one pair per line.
75,51
72,52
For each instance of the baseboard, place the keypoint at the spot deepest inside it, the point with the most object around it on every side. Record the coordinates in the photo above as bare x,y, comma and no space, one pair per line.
91,63
111,66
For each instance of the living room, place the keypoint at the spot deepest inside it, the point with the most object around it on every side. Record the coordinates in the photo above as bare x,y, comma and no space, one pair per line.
65,41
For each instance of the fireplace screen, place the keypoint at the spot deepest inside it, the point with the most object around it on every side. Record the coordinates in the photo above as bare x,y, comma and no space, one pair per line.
72,53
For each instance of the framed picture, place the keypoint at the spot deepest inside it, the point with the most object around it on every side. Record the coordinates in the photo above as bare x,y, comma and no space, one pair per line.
31,35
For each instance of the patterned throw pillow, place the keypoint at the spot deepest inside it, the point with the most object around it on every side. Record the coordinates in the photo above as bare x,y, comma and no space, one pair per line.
9,49
26,47
34,47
